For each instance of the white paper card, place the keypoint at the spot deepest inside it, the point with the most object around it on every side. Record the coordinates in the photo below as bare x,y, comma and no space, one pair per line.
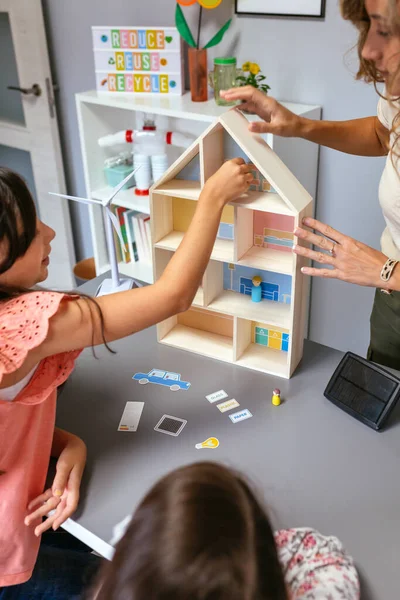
131,416
240,416
228,405
215,396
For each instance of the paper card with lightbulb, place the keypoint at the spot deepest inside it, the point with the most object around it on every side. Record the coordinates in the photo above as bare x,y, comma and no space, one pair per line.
240,416
228,405
210,444
170,425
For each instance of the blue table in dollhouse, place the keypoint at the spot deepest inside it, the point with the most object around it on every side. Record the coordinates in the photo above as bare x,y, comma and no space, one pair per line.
316,465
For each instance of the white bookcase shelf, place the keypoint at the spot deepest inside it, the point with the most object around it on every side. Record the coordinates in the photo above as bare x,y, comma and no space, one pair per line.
125,198
101,114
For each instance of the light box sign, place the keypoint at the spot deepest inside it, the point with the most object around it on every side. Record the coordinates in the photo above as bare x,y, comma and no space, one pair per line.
138,60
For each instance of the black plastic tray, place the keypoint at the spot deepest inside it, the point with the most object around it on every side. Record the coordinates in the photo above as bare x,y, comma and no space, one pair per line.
364,390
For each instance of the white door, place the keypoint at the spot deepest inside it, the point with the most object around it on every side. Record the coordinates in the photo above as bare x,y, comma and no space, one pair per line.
28,124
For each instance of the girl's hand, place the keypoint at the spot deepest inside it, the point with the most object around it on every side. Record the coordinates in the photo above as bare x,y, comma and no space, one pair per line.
63,496
349,259
275,118
230,181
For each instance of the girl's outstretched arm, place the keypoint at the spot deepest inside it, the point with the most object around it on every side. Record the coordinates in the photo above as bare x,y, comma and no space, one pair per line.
77,324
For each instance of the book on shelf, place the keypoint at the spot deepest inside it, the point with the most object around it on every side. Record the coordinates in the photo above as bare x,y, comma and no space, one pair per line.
138,236
143,219
119,212
130,234
135,231
117,243
148,236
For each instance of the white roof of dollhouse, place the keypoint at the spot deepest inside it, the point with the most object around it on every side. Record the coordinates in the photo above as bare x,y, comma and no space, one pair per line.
259,153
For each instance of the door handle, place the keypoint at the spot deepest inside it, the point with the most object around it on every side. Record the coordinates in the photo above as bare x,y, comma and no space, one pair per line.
35,90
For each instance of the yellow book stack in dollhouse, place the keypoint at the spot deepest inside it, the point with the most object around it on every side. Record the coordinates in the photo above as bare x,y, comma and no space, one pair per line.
255,238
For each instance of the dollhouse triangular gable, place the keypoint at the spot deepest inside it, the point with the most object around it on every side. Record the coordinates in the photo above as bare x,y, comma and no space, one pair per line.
293,194
186,157
267,162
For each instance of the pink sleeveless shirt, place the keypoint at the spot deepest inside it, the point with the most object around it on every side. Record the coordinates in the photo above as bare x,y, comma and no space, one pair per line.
26,427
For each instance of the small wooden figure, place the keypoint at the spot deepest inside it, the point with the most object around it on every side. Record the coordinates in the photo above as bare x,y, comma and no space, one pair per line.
276,397
256,291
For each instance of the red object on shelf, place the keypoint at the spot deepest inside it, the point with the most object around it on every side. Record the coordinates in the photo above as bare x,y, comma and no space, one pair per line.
141,192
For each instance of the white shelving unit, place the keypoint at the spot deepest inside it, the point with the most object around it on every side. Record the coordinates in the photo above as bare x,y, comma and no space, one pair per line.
223,322
101,114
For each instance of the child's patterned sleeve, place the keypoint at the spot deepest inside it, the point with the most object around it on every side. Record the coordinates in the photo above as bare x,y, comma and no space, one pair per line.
316,567
24,325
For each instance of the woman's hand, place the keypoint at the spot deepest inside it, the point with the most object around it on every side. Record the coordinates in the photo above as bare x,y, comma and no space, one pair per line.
349,260
230,181
275,118
63,496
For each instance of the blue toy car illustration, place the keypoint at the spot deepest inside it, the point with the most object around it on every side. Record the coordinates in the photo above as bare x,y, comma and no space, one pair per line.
167,378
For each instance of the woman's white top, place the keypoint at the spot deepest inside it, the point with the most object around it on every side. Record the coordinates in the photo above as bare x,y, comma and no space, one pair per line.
389,187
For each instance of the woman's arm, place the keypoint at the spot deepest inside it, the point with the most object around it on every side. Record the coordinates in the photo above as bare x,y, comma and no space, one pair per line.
364,137
77,324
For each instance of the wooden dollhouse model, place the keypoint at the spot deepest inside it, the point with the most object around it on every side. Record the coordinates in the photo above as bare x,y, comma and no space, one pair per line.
255,238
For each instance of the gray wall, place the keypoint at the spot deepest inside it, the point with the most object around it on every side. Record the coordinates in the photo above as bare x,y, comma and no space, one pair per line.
305,62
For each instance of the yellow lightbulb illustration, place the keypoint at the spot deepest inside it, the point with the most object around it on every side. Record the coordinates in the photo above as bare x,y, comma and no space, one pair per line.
211,443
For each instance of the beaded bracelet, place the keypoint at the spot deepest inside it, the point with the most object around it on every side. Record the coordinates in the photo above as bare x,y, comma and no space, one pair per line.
387,271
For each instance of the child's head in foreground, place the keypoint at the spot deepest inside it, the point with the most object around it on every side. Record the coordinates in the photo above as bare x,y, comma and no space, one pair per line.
199,534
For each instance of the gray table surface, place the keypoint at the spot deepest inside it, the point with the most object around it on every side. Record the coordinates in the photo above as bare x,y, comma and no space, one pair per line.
313,464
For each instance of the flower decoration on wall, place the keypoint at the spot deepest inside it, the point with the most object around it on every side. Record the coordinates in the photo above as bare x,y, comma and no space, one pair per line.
253,76
183,27
203,3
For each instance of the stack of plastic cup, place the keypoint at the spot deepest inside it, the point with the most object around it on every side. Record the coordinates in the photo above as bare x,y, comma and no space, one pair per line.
159,164
143,175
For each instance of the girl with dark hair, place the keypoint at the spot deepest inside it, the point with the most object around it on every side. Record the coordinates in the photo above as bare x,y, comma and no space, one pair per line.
201,534
41,335
378,25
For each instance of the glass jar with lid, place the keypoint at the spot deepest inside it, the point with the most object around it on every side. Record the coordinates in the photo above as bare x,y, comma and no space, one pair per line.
224,78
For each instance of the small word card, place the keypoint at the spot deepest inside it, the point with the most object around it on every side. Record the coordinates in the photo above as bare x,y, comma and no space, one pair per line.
214,397
228,405
240,416
131,416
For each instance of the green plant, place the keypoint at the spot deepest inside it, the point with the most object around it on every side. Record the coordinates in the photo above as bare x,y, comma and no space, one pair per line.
254,77
184,29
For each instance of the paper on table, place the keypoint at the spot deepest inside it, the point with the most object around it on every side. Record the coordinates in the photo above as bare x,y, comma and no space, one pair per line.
131,416
119,530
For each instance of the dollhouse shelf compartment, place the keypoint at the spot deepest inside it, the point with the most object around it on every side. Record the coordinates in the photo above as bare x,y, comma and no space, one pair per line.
181,188
266,259
239,305
265,360
264,201
200,342
222,251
